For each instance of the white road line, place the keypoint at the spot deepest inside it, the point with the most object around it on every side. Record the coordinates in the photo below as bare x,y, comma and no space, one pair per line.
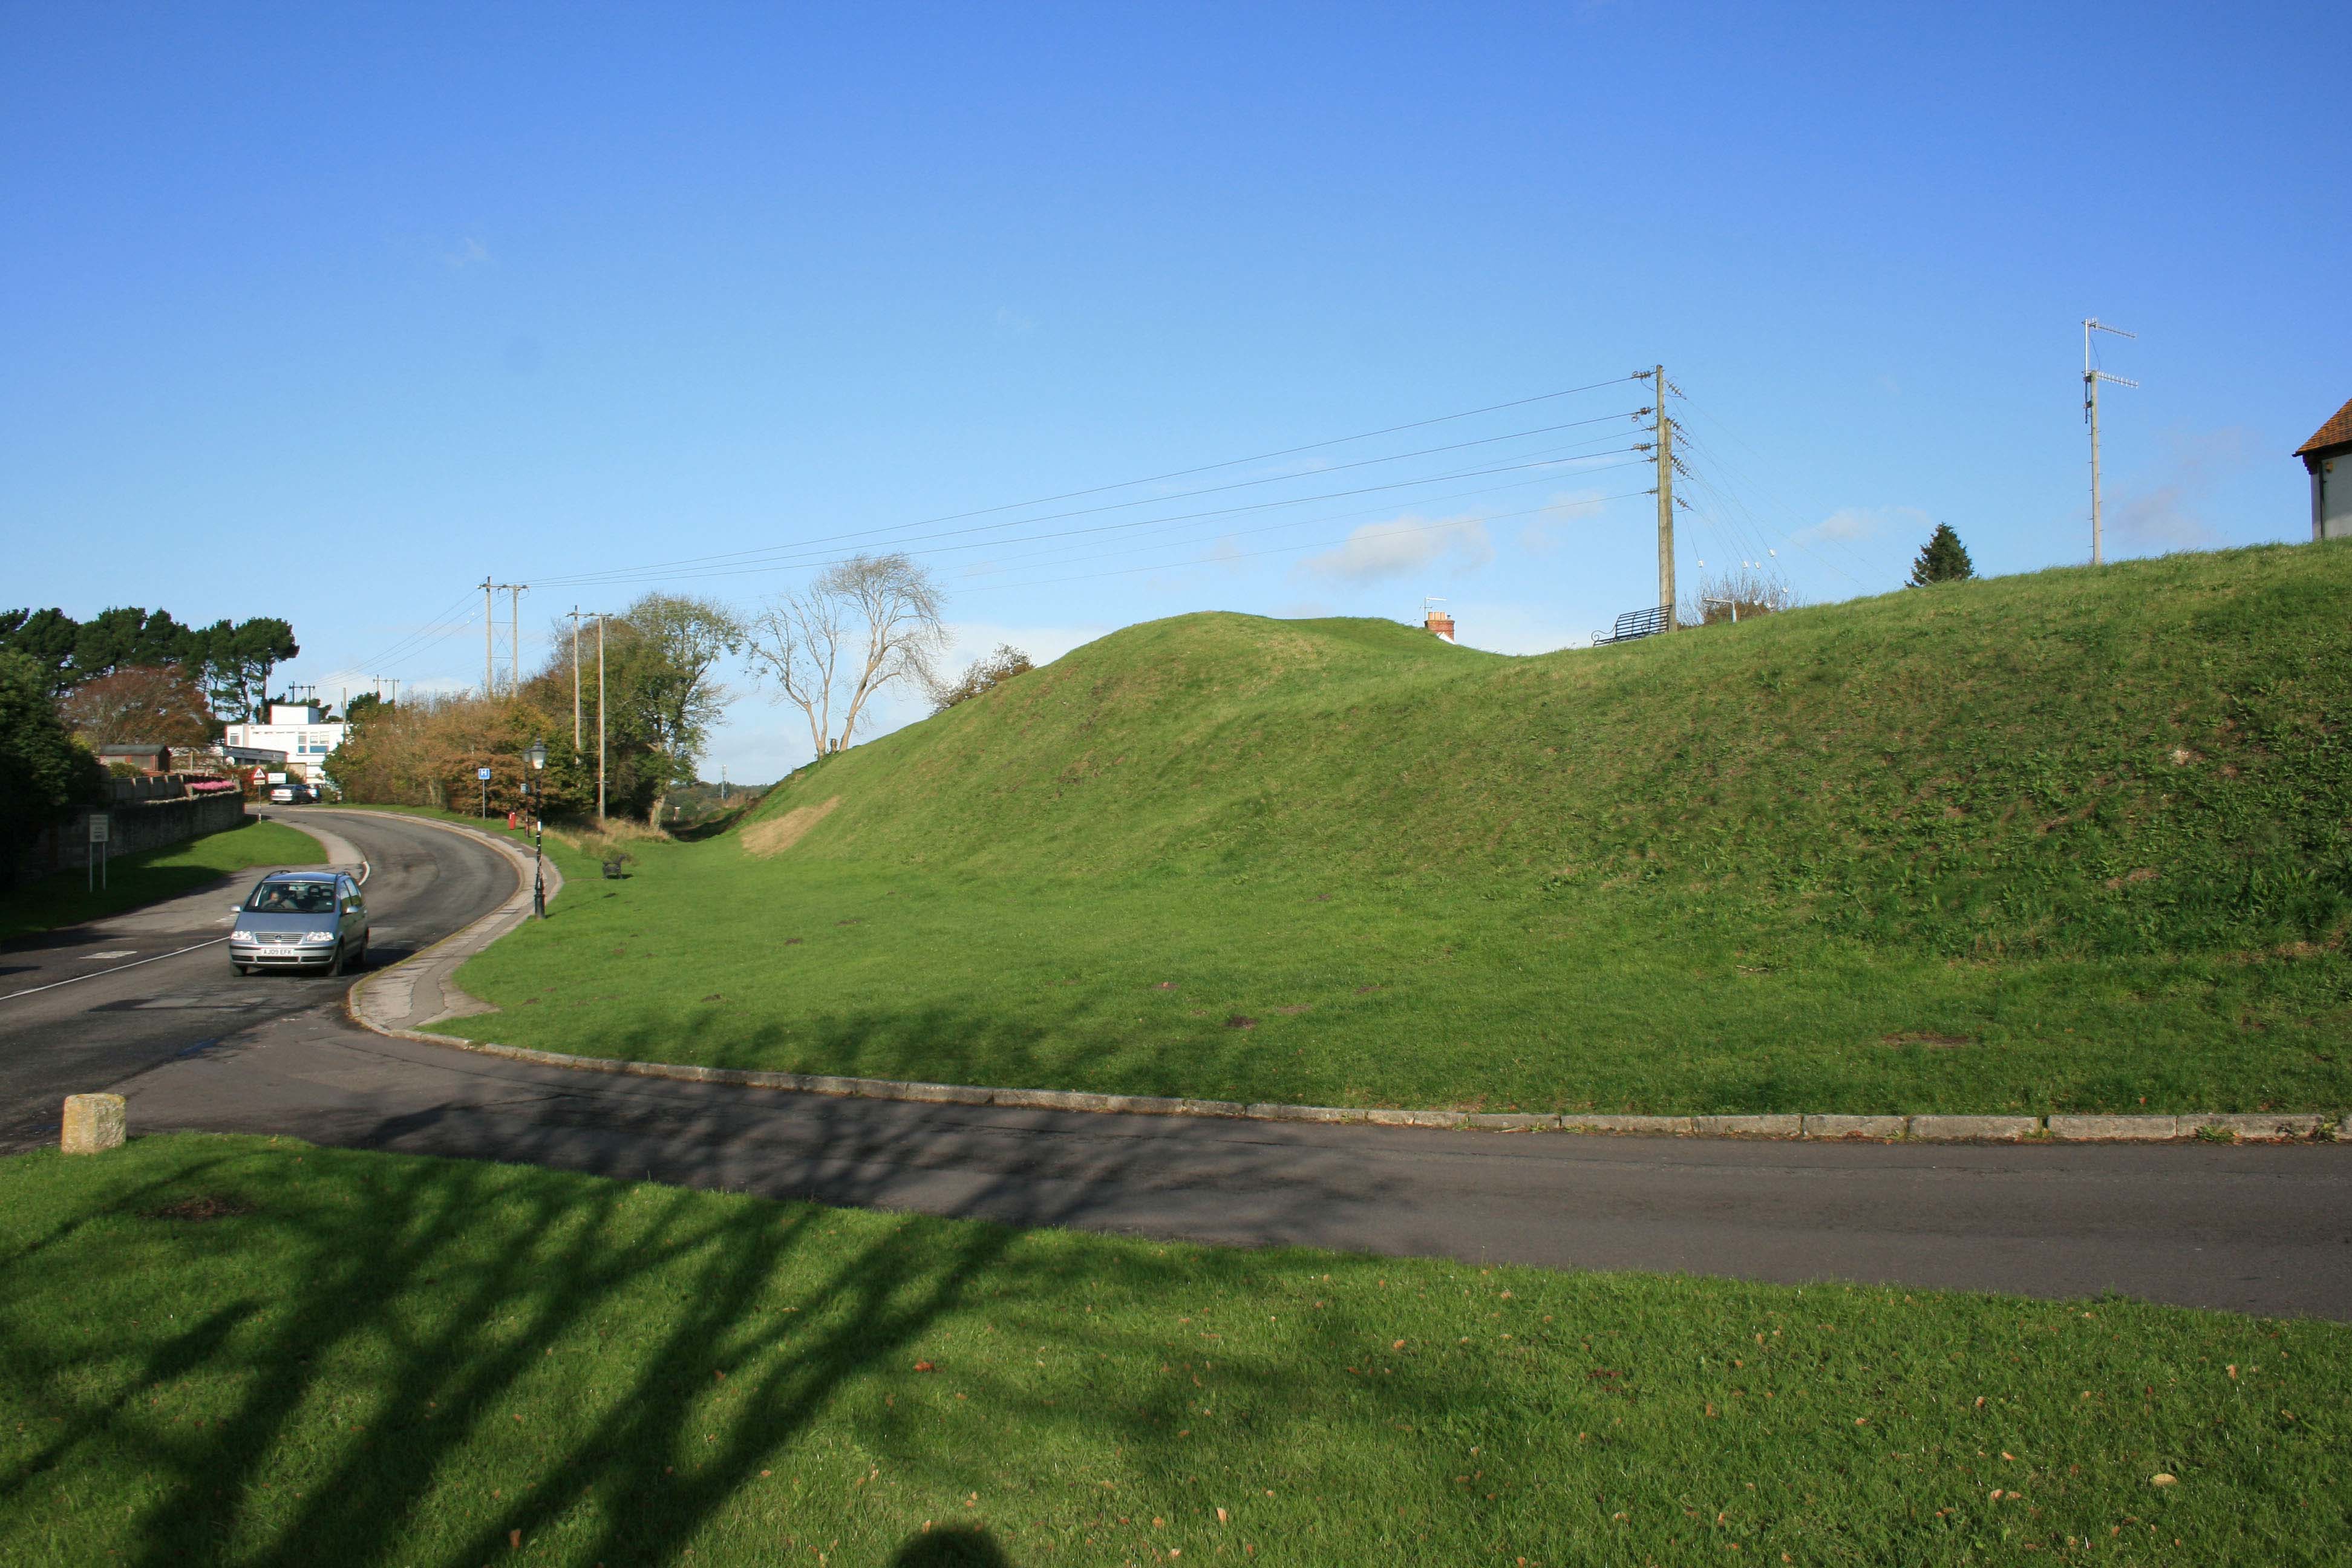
117,969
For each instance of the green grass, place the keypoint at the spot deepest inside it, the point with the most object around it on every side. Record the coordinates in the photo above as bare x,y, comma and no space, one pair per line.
2078,841
375,1359
152,874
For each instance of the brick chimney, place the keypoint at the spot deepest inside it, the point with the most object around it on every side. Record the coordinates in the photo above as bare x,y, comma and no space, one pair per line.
1439,622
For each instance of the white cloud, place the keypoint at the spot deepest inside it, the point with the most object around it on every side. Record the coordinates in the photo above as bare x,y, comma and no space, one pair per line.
2169,514
1403,545
1855,524
470,252
1561,514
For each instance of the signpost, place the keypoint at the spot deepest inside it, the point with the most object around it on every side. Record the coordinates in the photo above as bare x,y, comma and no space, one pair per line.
483,774
101,827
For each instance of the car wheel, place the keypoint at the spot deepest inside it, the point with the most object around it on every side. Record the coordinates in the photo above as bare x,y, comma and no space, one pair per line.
335,965
242,968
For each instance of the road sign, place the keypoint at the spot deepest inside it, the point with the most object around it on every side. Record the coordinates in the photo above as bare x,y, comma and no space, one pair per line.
483,774
100,824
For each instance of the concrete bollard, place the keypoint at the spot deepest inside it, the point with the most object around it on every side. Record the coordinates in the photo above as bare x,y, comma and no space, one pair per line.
94,1123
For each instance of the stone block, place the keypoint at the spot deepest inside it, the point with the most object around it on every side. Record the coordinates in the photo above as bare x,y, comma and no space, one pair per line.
2118,1128
1595,1121
1272,1111
1211,1107
1414,1118
1514,1122
1975,1128
1749,1126
93,1123
950,1093
1856,1126
2258,1127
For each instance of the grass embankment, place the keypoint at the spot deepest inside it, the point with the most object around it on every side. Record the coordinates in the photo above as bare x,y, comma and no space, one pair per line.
152,875
2075,841
228,1350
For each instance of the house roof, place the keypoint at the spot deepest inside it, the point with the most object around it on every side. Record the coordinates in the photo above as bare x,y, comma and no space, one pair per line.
2336,432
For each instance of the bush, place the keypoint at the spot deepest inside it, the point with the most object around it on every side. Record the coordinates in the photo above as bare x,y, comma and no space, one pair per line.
981,675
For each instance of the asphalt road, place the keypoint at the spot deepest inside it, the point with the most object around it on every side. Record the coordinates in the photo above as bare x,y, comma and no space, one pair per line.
2260,1229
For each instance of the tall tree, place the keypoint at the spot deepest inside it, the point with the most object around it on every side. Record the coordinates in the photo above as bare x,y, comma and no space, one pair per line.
237,659
1943,559
43,770
45,636
864,624
670,644
143,703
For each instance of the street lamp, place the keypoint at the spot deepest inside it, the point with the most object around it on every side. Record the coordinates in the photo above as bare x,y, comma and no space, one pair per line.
538,758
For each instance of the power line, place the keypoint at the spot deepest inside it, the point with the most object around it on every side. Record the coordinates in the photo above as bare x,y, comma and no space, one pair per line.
625,572
762,559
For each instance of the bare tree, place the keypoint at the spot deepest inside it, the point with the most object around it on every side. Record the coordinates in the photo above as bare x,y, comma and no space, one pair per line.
861,625
1741,595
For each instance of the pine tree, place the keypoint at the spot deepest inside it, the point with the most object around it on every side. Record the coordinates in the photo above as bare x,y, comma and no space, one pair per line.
1944,560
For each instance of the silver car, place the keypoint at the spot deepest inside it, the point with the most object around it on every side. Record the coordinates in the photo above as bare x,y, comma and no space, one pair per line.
301,920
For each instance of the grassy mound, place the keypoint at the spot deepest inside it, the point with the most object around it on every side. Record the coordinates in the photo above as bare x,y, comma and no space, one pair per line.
2077,840
227,1349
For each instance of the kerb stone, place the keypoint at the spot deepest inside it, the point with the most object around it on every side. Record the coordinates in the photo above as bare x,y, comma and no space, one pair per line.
1971,1129
2259,1127
1749,1126
1856,1126
93,1124
1414,1118
1514,1122
1590,1122
2118,1128
1274,1110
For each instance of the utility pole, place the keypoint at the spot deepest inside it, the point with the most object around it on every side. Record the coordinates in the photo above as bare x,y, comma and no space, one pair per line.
489,621
575,680
515,591
1664,452
2092,376
600,715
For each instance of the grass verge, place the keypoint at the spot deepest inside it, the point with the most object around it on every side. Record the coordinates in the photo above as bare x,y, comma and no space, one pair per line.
152,875
239,1350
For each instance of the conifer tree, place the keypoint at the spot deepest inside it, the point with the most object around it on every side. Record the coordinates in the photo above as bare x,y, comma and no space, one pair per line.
1943,560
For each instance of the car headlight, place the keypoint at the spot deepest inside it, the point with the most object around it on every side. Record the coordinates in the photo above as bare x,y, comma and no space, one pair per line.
240,936
313,936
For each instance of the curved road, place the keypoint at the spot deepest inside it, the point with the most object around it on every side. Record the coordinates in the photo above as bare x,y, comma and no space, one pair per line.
191,1044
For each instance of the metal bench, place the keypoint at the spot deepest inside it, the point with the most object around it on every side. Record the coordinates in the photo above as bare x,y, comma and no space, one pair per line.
1636,623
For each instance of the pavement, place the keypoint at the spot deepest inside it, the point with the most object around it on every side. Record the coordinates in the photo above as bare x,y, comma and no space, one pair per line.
2249,1228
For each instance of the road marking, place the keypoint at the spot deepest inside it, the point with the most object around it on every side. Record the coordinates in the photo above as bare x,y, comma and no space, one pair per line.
126,953
117,969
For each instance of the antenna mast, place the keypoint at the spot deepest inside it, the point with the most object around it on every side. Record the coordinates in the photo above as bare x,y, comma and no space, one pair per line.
2092,376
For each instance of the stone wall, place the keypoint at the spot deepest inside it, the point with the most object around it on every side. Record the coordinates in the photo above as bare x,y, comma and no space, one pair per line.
135,826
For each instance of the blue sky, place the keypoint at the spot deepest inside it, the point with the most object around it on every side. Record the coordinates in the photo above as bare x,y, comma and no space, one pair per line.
330,312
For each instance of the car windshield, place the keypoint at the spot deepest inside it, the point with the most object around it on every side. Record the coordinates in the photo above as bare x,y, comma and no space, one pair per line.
293,898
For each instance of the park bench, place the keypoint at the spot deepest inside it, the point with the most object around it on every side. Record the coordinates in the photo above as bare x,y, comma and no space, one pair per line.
1635,624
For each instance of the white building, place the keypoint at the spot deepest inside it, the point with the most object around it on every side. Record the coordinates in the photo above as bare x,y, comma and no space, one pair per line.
300,730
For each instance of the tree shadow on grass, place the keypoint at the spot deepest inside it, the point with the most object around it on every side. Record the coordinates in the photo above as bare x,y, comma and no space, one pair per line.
378,1347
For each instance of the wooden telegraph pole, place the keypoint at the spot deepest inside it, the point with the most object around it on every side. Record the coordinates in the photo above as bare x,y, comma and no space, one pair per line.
575,680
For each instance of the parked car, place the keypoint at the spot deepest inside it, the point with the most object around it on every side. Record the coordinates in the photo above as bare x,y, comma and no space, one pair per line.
292,794
302,920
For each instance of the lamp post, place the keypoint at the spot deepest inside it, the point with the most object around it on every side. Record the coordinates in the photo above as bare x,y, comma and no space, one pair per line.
537,755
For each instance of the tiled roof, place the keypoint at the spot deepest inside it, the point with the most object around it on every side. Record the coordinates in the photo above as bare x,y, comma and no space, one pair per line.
2336,432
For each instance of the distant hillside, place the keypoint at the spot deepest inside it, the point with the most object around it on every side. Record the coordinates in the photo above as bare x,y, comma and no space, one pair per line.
2147,758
